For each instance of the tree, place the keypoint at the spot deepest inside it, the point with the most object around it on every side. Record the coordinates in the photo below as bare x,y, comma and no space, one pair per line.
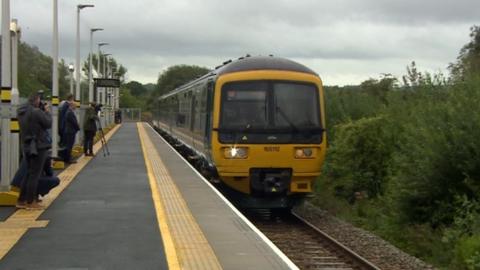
176,76
117,70
127,100
468,61
414,77
35,72
136,89
379,88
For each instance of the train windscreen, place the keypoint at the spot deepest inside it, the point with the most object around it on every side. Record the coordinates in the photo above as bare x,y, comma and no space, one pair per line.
269,105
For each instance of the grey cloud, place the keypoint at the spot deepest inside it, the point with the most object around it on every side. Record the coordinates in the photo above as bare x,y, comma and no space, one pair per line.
147,36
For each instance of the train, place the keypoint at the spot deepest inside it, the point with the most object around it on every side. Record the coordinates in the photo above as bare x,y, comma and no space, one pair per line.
255,126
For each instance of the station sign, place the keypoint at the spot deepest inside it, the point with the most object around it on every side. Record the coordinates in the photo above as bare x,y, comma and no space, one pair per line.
101,82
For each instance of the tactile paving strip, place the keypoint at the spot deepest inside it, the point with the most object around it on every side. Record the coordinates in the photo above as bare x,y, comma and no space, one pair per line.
18,223
191,246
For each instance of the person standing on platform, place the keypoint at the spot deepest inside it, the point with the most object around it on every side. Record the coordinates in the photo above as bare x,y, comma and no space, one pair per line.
34,120
62,110
70,130
46,181
89,128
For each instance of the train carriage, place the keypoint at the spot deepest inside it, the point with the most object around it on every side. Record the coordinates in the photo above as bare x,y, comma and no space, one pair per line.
257,124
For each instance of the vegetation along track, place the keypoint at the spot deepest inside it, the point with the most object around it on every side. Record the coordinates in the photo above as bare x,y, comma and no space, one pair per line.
307,246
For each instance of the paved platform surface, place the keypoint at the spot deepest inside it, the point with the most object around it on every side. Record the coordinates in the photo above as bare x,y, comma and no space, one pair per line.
235,244
105,219
142,207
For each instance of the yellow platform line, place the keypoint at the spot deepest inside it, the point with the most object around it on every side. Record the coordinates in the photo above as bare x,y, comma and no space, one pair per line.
12,229
186,247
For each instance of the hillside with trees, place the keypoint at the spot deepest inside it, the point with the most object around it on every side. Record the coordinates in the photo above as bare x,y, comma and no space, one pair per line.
404,159
35,72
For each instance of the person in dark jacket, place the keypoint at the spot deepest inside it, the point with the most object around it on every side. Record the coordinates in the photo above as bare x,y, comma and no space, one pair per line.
62,111
34,124
89,128
46,182
70,130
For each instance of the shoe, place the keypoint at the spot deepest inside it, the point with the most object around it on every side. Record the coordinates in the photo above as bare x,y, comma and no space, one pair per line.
34,206
21,205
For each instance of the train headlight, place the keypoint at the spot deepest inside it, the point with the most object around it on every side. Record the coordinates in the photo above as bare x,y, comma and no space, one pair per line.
304,152
235,152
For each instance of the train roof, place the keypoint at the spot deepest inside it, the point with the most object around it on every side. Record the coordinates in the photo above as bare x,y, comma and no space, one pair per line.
262,63
245,64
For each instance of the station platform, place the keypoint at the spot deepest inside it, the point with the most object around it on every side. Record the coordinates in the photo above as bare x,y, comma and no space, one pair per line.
141,207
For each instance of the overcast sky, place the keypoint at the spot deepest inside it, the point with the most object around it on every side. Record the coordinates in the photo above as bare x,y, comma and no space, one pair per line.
344,41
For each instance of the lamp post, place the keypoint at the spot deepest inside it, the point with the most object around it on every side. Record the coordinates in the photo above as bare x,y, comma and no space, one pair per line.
105,61
90,68
77,67
100,91
106,66
104,90
55,99
99,52
5,97
15,145
77,55
71,68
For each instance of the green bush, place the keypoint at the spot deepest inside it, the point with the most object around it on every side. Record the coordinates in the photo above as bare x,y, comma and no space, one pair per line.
439,154
346,104
359,159
467,253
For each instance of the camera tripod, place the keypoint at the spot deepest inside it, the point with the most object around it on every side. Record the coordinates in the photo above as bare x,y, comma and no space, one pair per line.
102,140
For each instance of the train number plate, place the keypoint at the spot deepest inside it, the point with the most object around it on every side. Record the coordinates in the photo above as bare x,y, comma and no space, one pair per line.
272,149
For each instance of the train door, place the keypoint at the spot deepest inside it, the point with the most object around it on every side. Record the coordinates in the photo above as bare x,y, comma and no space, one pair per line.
192,119
208,118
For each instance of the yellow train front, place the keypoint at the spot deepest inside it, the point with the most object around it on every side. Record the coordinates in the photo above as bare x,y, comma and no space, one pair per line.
257,124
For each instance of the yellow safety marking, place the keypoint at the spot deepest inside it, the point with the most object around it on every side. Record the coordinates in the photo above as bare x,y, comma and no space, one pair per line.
14,126
19,222
186,246
6,95
170,252
24,224
55,101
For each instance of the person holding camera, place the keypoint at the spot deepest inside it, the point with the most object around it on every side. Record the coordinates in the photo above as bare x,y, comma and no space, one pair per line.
70,130
35,121
90,128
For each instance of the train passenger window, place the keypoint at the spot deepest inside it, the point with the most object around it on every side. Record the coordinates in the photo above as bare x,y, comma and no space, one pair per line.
180,120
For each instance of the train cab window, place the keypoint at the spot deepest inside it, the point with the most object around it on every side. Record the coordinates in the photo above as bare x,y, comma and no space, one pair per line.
296,105
244,104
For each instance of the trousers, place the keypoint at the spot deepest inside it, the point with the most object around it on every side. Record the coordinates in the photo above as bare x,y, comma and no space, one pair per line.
28,189
88,141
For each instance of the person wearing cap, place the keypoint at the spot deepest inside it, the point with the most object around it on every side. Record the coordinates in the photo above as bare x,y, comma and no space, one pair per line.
89,129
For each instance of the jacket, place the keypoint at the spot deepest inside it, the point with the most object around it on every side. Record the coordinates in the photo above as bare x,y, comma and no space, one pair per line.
34,124
71,123
89,122
62,110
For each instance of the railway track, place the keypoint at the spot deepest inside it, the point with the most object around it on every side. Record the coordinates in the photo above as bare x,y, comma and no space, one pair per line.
307,246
